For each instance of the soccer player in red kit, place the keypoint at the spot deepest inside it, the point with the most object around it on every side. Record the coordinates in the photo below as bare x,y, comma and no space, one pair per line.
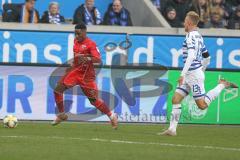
82,73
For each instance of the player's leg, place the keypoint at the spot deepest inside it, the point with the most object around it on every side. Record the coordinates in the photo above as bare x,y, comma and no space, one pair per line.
176,111
58,95
102,106
66,82
91,91
204,102
180,93
197,86
198,90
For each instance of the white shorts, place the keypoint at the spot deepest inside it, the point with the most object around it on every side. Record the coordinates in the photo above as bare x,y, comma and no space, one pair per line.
194,82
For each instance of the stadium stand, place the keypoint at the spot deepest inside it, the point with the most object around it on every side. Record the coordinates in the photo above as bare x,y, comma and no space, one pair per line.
157,13
213,13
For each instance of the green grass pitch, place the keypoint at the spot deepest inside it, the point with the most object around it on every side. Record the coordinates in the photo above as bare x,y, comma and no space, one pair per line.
94,141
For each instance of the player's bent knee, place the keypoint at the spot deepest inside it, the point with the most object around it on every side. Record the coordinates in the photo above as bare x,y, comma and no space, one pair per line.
175,100
60,88
95,102
56,91
92,100
202,106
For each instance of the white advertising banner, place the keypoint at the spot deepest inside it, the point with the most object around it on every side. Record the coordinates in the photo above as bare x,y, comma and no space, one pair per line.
27,92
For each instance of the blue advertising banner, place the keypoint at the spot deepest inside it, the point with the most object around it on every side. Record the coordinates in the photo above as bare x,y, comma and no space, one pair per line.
46,47
56,48
167,50
67,9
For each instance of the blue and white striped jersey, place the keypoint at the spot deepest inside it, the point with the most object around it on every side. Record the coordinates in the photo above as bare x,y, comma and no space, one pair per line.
194,41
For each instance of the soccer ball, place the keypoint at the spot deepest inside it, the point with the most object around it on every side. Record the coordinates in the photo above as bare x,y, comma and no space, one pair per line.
10,121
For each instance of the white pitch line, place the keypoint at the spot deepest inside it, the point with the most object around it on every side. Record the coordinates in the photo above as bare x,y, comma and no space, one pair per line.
129,142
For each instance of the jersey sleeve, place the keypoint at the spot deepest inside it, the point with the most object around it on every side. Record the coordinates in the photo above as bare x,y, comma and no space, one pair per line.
204,49
95,54
75,47
190,40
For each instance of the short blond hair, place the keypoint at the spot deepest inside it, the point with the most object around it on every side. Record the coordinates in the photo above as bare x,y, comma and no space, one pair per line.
194,17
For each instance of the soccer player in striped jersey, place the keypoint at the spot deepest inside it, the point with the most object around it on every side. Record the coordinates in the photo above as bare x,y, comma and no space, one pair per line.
196,59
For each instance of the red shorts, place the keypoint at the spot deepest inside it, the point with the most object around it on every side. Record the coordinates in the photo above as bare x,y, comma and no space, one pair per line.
88,85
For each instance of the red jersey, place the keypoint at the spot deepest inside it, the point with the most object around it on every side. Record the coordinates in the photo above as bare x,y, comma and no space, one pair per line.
86,48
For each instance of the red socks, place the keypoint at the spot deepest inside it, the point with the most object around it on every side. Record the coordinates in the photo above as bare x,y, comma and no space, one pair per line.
100,105
59,101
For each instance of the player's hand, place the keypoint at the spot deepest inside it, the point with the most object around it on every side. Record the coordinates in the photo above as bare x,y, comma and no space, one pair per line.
204,68
180,80
82,59
95,13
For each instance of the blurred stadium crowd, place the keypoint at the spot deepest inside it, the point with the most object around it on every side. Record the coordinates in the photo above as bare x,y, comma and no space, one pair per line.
116,14
213,13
